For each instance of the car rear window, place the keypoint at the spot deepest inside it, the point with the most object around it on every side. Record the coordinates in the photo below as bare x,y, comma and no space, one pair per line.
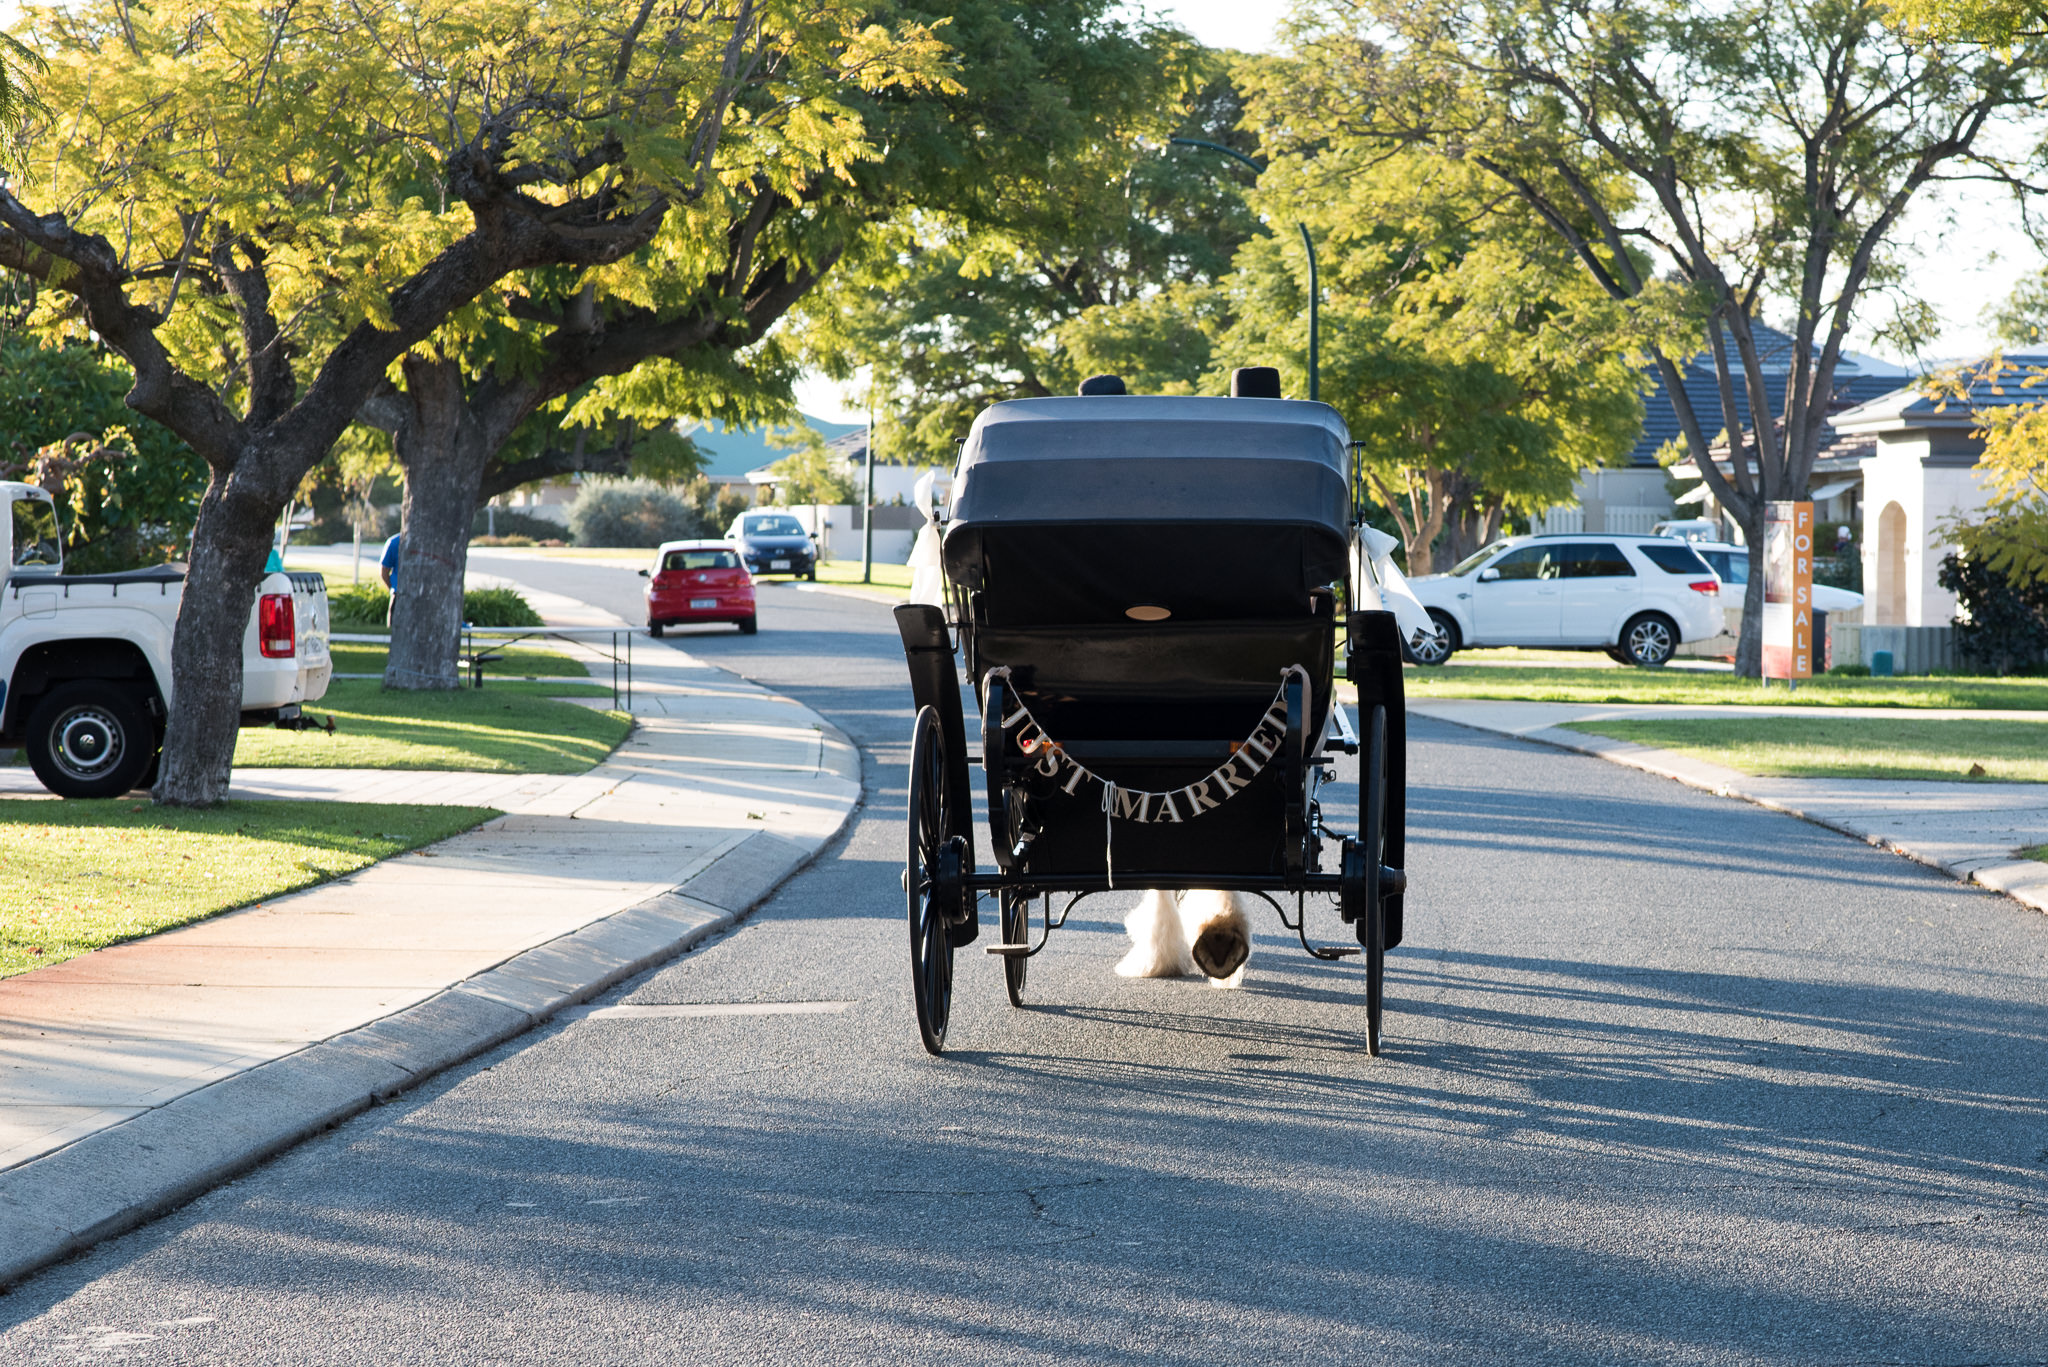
1674,558
700,560
1732,566
1596,560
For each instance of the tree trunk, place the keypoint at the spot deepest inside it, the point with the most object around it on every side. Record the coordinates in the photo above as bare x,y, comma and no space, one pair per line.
1749,647
230,543
443,451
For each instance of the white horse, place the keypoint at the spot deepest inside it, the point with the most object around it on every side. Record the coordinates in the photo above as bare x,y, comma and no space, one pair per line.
1172,937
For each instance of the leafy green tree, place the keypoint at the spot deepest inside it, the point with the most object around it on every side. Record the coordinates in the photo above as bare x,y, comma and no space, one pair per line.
127,496
666,331
17,61
1479,370
1090,254
812,474
1759,153
313,199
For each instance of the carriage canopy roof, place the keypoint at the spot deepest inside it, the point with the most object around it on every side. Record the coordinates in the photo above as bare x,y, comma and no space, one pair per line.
1136,458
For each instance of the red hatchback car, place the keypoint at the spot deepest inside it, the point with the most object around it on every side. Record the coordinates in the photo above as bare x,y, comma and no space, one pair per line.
698,581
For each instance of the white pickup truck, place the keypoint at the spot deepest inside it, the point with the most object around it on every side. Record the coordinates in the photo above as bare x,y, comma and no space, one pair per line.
85,659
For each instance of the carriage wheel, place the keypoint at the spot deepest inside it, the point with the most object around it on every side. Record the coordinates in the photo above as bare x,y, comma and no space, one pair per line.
931,876
1016,931
1364,901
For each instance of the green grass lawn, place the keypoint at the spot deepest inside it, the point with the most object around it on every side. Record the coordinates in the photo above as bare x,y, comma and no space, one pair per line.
1695,687
890,582
520,662
77,876
1850,747
505,728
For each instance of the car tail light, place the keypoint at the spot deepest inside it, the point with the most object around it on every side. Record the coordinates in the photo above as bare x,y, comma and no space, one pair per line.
1705,586
276,626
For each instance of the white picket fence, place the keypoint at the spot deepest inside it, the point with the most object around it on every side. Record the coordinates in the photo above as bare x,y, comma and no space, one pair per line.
1571,521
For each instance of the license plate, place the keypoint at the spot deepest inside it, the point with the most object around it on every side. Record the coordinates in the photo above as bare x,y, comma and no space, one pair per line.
778,564
699,604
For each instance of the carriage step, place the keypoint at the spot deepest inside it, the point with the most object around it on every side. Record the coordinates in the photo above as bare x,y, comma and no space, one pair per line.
1008,951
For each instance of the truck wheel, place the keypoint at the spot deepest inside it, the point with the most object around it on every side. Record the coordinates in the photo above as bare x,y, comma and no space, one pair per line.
89,739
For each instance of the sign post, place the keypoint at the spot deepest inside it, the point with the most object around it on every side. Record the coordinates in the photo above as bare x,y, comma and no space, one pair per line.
1788,591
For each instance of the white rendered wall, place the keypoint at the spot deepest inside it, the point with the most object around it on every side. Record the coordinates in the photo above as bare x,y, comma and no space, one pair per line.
1928,495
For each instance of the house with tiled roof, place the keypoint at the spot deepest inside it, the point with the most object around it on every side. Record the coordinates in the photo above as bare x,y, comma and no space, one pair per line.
1918,473
1632,497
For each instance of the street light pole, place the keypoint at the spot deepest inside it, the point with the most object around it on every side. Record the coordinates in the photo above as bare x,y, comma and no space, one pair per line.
1307,245
867,515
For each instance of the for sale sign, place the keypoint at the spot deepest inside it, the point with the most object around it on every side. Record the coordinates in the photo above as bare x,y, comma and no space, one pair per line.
1788,591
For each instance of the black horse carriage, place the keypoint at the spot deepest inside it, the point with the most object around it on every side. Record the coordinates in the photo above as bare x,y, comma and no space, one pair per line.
1148,595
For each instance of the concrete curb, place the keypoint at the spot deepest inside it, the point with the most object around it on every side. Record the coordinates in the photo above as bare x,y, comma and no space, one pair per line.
2023,880
110,1182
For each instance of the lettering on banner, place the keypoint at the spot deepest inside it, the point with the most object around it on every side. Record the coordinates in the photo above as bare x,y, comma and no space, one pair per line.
1230,781
1050,760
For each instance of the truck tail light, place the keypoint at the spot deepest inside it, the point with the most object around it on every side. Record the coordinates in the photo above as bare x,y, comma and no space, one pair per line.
1705,586
276,626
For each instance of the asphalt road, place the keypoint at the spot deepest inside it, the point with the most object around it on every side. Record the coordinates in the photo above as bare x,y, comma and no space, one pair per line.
1669,1079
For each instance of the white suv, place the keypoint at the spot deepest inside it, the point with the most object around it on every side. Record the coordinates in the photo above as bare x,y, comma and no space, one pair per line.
1635,597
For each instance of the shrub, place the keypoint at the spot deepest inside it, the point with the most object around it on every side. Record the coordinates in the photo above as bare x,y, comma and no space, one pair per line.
2001,627
629,512
359,606
500,607
510,522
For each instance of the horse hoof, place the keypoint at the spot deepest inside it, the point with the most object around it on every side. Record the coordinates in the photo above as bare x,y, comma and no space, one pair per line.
1221,950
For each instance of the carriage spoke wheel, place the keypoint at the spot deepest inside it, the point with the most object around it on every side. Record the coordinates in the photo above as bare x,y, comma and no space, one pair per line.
1016,931
1362,890
931,874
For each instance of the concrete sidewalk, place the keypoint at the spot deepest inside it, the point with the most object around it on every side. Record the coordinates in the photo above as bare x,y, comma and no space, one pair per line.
136,1077
1971,831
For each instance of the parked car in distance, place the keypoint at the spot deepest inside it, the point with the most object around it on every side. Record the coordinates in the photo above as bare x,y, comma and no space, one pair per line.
1688,529
699,581
1731,564
1635,597
771,542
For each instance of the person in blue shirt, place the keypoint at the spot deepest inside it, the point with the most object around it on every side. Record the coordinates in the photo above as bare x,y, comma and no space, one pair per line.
387,569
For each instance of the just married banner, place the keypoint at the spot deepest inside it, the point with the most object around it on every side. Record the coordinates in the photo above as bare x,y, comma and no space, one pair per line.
1048,757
